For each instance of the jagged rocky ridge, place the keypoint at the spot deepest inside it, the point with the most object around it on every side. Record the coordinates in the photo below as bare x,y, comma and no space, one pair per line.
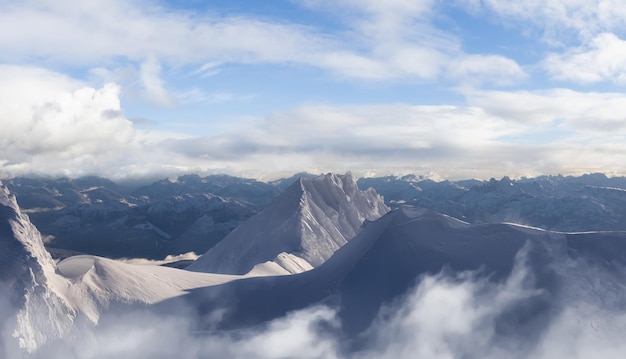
299,230
563,203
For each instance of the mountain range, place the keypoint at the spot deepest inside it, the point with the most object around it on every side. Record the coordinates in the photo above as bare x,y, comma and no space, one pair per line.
590,202
172,216
93,215
330,264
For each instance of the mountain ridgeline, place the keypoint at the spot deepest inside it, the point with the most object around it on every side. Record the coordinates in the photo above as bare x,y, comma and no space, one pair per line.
307,223
405,273
590,202
172,216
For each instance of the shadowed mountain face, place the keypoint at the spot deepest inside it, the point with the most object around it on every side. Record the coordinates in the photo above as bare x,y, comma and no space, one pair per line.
310,220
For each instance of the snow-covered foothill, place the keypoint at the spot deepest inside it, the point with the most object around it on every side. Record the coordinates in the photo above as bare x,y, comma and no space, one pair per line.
309,221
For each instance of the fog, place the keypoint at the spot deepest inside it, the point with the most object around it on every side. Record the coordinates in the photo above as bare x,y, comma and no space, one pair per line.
448,315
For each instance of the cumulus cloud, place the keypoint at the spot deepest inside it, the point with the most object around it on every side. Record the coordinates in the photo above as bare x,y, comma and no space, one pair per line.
61,120
68,128
585,36
602,59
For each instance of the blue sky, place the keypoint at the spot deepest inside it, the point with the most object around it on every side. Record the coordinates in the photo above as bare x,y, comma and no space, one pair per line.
448,89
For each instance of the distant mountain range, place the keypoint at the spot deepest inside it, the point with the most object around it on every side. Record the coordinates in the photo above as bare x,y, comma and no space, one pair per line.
171,216
562,203
94,215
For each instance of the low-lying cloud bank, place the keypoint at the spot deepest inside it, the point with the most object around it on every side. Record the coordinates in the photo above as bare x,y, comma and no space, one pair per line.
67,128
445,316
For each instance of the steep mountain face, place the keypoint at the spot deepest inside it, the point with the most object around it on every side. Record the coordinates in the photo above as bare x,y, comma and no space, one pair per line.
586,203
310,221
39,311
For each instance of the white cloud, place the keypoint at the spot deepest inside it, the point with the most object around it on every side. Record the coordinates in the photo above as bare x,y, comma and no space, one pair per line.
150,73
562,21
401,41
462,315
196,95
208,69
52,124
67,128
600,112
101,31
602,59
478,69
390,40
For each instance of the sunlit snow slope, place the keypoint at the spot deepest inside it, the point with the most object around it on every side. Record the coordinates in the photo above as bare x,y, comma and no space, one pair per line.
46,299
299,230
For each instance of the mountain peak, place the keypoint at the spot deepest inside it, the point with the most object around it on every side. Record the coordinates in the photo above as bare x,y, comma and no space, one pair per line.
311,219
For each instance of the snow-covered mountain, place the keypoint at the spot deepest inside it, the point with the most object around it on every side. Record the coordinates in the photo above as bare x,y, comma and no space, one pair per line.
537,278
299,230
388,257
93,215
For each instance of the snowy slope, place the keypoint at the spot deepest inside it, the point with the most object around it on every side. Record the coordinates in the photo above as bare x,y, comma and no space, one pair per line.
307,223
386,259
